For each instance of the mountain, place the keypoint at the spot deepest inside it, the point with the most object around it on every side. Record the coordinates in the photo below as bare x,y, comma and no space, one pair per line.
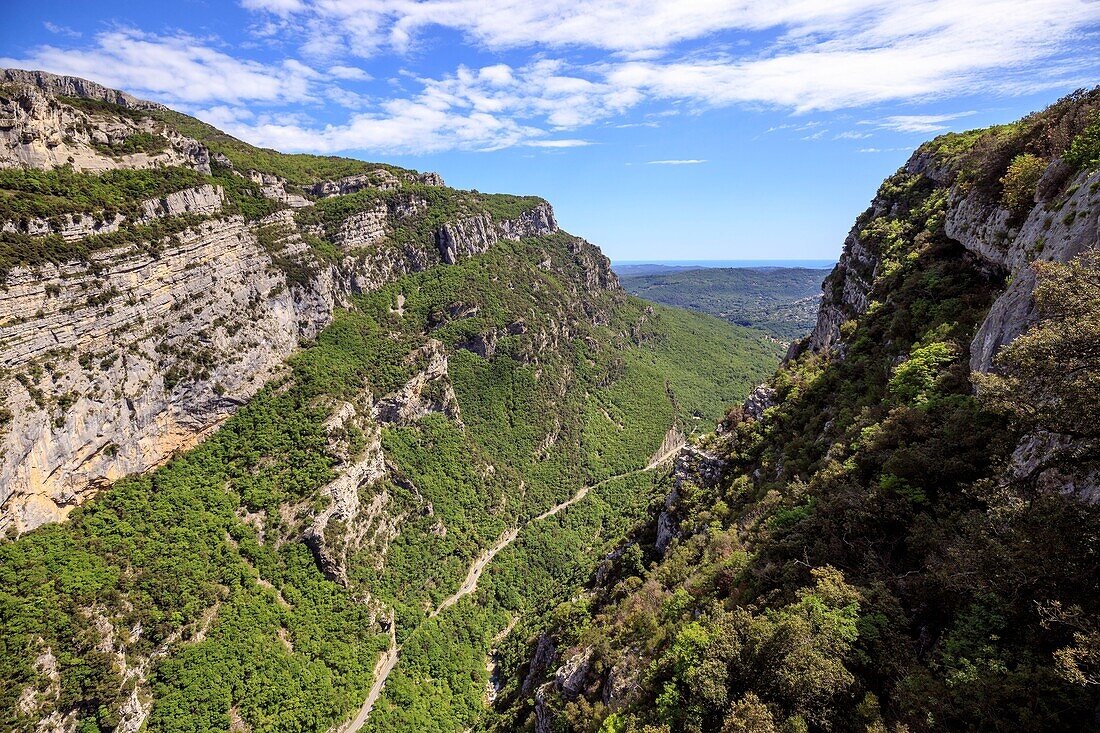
780,300
288,442
295,443
899,530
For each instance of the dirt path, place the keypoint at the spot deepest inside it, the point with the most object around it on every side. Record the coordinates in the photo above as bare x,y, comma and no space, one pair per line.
474,574
389,660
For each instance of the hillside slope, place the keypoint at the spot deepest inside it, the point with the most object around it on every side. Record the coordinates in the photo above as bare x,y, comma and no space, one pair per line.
268,417
869,544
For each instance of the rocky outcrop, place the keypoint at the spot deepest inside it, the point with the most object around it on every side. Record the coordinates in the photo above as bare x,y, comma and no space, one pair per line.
759,400
38,131
1062,222
428,391
1055,230
466,237
534,222
275,188
692,465
379,179
73,86
364,229
847,289
342,525
570,677
476,234
201,201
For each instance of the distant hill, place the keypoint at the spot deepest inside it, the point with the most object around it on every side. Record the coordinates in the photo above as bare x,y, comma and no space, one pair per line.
780,300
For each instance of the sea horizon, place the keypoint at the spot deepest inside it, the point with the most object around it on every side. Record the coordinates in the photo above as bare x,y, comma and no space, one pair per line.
812,264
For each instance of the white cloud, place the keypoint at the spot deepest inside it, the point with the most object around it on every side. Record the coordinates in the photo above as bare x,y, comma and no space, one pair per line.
805,57
851,135
688,161
349,73
61,30
175,69
563,143
279,7
916,123
825,56
474,109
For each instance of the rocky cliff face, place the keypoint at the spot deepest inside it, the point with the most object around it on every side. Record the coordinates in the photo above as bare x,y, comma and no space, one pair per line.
1062,222
114,361
1057,220
39,130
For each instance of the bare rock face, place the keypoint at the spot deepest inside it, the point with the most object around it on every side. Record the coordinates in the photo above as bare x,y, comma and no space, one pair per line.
477,234
847,289
73,86
536,221
760,399
467,237
1048,233
38,131
276,189
364,229
111,368
570,677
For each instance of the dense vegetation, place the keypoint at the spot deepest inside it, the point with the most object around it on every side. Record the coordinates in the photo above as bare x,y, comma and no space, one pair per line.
873,557
32,192
780,300
198,571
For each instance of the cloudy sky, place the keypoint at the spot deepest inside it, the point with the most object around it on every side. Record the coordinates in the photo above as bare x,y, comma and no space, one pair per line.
660,129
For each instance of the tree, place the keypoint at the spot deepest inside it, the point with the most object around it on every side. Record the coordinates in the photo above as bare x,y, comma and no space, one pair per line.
1049,377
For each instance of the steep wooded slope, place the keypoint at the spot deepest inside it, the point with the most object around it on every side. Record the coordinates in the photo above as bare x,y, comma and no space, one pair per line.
868,544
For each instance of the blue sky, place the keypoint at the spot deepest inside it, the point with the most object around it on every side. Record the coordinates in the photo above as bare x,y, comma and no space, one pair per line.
693,129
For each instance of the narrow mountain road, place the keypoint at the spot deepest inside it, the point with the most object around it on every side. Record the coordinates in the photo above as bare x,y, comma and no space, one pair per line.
389,660
382,670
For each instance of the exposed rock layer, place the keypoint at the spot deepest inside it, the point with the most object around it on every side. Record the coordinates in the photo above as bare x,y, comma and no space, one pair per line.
113,363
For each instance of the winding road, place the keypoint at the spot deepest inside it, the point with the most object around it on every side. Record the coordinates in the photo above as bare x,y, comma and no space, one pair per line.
388,660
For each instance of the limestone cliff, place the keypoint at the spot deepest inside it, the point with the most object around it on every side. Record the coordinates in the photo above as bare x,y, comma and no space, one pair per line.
146,338
1063,222
960,182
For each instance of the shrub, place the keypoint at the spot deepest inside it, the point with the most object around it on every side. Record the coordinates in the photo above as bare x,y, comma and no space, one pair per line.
1019,182
1084,152
915,378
